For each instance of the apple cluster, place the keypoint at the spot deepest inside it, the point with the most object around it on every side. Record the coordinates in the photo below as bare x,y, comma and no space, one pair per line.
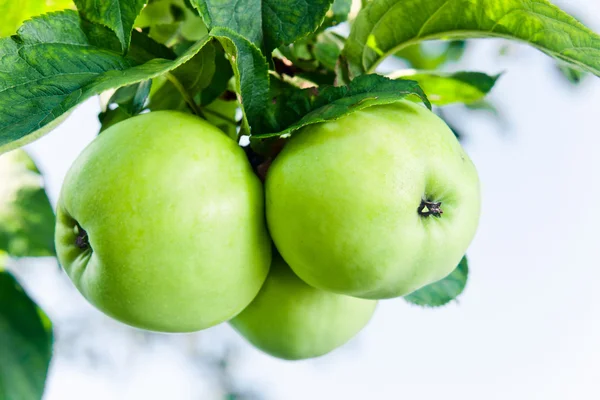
163,224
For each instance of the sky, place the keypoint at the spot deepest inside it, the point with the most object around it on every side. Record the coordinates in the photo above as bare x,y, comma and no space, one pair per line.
527,326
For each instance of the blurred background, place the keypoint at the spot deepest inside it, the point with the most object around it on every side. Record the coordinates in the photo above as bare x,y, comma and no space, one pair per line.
526,327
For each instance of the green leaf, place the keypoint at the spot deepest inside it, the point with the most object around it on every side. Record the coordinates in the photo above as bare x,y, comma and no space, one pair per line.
132,98
419,56
384,27
222,75
337,14
127,102
118,15
300,108
171,21
269,22
327,50
110,117
443,89
25,342
53,65
196,74
14,13
221,113
444,291
166,97
572,75
155,13
26,216
252,79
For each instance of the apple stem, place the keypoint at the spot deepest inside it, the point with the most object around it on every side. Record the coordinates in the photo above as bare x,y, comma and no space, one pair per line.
81,240
428,208
260,162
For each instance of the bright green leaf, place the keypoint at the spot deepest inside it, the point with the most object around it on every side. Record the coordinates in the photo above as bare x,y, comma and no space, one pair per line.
26,216
459,87
268,22
53,65
25,343
384,27
443,291
14,13
118,15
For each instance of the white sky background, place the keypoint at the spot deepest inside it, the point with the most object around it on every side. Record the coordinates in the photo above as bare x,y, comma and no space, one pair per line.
527,326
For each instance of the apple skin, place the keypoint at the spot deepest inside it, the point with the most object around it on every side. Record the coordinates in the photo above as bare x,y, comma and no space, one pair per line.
291,320
342,201
174,219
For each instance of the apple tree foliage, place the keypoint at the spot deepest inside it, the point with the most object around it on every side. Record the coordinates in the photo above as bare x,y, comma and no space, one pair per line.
259,68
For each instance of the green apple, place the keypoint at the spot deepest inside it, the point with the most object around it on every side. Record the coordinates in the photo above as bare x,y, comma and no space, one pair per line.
292,320
376,204
160,224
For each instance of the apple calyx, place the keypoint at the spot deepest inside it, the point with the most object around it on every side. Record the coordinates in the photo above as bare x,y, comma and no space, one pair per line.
81,240
427,208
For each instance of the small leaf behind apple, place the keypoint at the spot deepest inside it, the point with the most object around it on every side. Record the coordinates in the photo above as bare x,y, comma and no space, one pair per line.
444,291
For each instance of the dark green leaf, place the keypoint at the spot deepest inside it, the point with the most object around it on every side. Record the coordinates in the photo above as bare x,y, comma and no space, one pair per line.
118,15
460,87
268,22
443,291
132,98
143,49
26,216
125,102
310,106
25,343
384,27
252,79
110,117
52,66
